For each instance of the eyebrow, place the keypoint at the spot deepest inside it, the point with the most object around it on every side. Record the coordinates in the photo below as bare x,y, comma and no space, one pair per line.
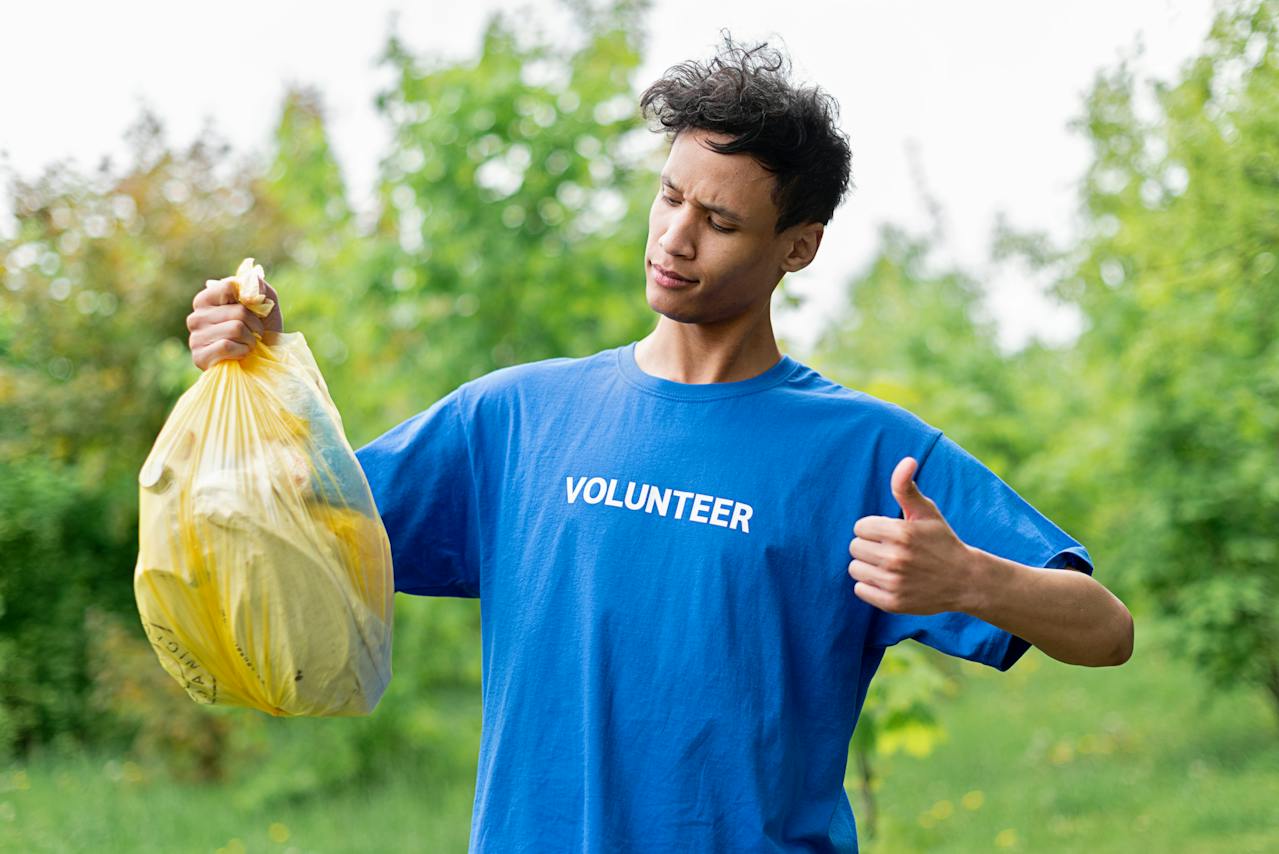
724,212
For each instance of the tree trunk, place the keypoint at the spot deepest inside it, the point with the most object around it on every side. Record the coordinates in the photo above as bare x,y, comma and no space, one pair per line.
865,778
1272,682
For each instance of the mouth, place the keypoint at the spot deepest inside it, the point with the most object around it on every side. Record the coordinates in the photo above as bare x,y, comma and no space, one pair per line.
669,278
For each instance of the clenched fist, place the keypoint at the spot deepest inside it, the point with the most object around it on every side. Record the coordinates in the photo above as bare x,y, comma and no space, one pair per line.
222,328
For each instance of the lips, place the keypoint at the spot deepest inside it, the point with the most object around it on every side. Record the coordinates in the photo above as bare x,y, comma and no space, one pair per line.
671,274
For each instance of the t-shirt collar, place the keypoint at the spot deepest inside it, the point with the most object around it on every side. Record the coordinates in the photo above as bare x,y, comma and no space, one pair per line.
637,377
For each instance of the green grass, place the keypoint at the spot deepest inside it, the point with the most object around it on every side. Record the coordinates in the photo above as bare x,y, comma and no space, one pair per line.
1142,757
1051,758
113,806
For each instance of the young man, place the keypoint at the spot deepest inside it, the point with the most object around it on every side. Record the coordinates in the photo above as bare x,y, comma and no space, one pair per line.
676,645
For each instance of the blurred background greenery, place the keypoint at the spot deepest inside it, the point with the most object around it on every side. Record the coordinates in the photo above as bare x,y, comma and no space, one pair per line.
1153,438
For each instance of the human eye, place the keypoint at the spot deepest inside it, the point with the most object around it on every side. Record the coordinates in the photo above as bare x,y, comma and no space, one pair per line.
670,201
721,229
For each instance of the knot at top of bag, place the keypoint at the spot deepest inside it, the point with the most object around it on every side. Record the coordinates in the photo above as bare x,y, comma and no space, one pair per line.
248,284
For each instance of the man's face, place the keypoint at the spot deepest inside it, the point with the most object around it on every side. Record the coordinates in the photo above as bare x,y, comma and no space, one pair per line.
712,223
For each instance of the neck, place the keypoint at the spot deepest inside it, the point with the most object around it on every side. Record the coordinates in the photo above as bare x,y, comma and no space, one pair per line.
698,353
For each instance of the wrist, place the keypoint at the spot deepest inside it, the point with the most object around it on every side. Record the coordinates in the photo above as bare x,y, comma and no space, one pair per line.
981,580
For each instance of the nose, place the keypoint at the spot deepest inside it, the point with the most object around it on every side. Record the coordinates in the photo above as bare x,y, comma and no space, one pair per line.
677,239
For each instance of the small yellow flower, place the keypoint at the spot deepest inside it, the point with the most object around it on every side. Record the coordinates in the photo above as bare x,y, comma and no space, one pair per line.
1006,838
973,800
278,832
943,810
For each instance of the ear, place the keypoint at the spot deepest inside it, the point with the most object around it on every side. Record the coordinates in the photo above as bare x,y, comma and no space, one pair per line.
803,247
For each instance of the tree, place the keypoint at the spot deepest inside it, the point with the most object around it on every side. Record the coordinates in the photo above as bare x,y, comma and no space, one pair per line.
512,200
913,335
1176,277
507,232
97,282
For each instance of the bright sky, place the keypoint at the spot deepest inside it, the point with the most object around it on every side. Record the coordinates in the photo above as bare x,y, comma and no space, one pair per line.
980,92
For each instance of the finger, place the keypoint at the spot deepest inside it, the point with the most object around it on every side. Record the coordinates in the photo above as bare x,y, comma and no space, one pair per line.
882,529
873,595
275,319
872,552
223,348
231,330
860,570
240,313
215,292
234,330
218,314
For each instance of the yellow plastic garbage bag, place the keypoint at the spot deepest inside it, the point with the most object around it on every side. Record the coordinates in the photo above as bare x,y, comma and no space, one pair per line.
264,572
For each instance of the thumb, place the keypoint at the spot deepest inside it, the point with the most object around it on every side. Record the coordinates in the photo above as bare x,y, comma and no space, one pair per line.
275,320
914,503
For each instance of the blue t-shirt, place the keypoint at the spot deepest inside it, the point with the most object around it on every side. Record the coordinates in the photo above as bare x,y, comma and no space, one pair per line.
673,656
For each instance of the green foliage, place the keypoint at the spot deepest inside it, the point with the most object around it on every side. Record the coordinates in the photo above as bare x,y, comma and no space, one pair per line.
915,336
900,714
443,285
52,531
509,228
1153,439
103,271
901,705
1177,279
137,705
512,220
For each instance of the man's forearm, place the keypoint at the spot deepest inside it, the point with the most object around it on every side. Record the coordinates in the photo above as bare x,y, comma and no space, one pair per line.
1066,613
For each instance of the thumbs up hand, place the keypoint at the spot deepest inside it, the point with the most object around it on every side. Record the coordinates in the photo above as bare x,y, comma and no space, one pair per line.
915,565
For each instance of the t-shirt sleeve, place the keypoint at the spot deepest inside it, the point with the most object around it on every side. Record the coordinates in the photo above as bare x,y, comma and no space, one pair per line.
985,513
421,477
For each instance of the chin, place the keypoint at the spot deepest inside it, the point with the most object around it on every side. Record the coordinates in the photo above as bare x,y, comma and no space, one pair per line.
660,301
678,313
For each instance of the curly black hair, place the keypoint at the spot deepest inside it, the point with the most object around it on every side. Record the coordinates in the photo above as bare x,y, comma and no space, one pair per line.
745,93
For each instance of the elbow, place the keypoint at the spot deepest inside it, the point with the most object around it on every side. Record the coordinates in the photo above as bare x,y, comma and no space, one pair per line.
1124,647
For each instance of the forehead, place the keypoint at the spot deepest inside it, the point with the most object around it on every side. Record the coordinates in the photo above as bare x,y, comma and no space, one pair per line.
734,181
